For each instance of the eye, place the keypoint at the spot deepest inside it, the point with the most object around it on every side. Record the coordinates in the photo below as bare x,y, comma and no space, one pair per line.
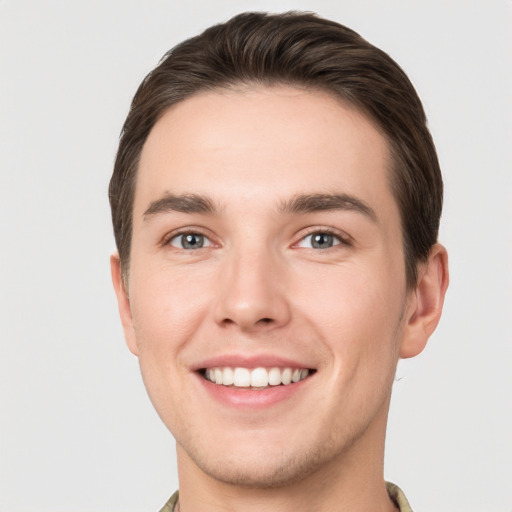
319,240
190,241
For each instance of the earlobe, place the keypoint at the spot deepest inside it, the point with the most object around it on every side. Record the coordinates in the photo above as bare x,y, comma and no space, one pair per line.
123,302
426,305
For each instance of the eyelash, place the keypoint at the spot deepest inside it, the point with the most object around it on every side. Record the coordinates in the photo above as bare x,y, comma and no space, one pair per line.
174,235
342,238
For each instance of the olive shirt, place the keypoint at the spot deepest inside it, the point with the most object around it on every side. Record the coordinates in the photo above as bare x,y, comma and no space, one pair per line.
395,493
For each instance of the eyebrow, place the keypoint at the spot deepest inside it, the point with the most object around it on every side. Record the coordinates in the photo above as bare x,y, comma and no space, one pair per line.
186,203
309,203
301,203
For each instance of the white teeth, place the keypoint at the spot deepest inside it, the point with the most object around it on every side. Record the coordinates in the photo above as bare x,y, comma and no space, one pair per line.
259,378
242,378
274,376
227,377
256,378
286,376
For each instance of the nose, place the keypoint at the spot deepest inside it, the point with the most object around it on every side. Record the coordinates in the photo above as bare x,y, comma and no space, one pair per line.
252,292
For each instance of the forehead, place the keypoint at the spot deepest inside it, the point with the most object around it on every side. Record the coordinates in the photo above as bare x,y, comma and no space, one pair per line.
238,144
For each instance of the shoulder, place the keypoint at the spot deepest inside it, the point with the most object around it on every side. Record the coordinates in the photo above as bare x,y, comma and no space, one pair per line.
169,506
398,497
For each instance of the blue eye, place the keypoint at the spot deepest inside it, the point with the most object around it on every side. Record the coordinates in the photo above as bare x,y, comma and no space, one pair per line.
319,240
190,241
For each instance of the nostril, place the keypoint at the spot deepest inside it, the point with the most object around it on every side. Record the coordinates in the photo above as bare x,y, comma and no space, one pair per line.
265,320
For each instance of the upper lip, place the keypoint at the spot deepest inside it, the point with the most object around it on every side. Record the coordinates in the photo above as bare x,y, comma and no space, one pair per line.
249,361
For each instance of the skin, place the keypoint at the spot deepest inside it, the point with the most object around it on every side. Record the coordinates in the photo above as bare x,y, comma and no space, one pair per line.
259,288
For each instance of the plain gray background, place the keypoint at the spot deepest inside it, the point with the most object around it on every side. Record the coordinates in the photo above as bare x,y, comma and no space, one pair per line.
77,430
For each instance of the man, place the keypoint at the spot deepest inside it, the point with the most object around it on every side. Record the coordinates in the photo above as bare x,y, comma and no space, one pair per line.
276,201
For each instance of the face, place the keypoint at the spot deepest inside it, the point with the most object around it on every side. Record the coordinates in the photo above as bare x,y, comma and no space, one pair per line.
266,297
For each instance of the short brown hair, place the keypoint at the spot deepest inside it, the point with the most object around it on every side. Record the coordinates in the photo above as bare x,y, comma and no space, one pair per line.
294,49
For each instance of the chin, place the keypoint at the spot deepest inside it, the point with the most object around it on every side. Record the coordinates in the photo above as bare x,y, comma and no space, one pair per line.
259,476
263,470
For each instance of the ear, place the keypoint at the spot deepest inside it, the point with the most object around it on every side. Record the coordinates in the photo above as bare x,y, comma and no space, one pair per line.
426,302
123,303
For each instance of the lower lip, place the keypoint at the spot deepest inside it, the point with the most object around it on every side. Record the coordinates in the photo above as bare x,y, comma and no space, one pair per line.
252,398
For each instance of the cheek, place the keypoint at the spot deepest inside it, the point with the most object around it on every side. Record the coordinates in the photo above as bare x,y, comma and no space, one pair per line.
167,311
357,311
167,308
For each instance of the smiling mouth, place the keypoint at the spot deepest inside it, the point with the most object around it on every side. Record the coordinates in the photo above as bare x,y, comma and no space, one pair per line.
255,378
